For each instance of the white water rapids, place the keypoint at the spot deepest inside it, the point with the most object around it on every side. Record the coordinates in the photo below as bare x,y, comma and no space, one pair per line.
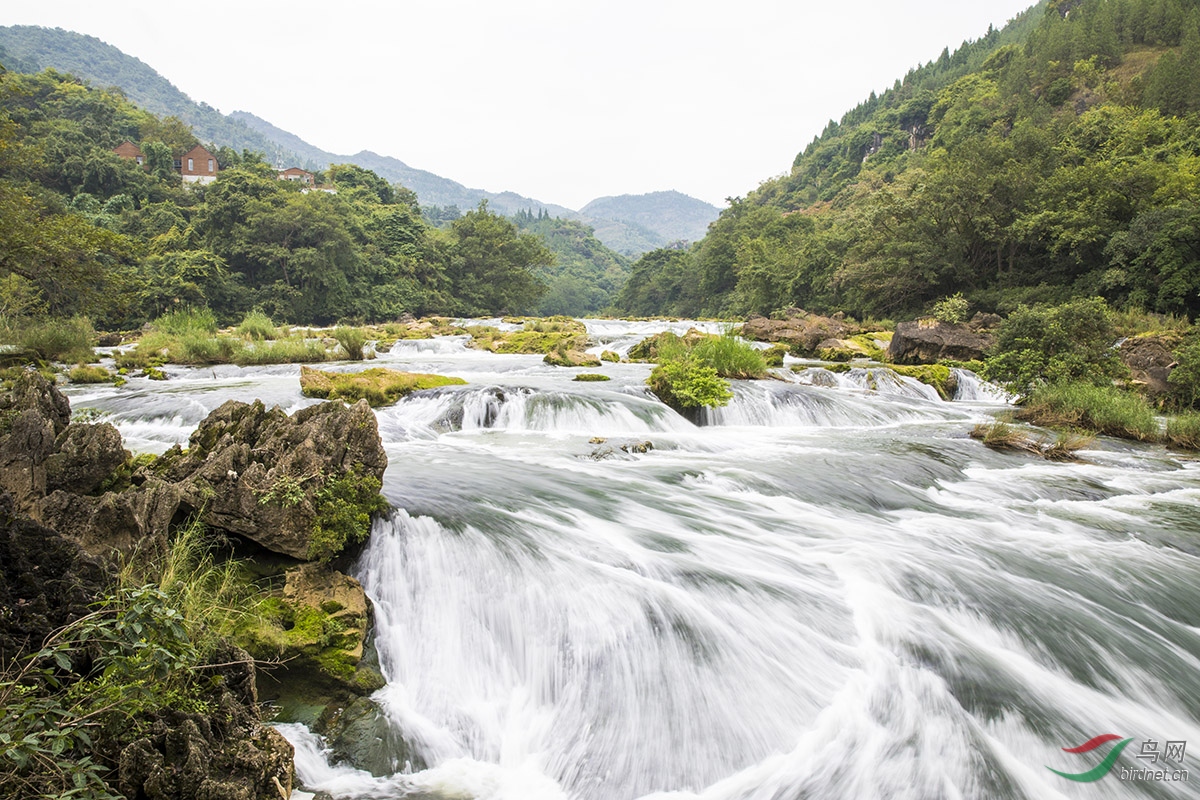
825,591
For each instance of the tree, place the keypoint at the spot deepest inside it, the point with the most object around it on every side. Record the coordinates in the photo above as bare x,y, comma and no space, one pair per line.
491,264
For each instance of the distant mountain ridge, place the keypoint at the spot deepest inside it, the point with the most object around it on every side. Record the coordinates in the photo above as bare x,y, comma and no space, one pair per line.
628,224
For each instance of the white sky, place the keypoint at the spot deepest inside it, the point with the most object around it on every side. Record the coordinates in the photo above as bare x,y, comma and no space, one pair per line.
560,101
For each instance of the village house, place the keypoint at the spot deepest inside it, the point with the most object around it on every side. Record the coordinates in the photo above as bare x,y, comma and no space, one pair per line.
128,149
297,175
197,166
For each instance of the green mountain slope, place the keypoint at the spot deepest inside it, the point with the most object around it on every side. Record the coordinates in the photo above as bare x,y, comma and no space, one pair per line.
33,48
585,276
1055,158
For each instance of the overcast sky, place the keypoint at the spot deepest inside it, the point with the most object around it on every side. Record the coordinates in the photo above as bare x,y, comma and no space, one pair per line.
557,100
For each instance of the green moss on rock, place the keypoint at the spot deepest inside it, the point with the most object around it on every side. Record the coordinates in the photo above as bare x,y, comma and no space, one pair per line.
378,386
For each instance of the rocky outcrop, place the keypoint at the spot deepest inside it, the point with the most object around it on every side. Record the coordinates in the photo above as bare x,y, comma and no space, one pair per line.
1150,359
801,331
571,358
227,754
926,341
264,476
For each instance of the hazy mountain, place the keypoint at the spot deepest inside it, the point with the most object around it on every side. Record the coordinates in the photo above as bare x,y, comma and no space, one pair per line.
672,215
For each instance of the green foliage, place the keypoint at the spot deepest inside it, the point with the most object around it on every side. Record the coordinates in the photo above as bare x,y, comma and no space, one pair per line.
56,339
936,375
1184,430
729,355
1185,377
686,383
951,309
293,350
585,275
351,340
344,505
1103,409
187,322
1047,344
256,326
591,376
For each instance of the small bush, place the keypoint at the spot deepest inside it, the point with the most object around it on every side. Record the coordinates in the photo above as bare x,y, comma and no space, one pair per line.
351,341
256,326
687,383
730,356
1102,409
1185,377
951,309
344,506
1184,430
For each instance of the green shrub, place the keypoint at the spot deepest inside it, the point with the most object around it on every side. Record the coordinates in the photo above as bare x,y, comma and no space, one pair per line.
951,309
1103,409
1184,430
351,341
591,376
57,339
256,326
344,506
1049,344
1185,377
687,383
730,356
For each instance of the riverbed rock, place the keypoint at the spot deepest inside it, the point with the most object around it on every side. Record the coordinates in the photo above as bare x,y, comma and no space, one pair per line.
926,341
571,358
86,454
801,331
1150,359
258,473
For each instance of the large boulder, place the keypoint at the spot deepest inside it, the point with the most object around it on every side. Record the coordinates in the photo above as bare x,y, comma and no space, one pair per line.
926,341
264,476
1150,359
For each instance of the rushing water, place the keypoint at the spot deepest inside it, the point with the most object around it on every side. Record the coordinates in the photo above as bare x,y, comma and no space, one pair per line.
828,590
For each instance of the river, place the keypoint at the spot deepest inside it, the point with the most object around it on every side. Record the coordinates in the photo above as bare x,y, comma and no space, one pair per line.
821,592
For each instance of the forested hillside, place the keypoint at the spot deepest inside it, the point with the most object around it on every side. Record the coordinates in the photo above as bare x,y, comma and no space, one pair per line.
29,48
85,231
1057,157
585,276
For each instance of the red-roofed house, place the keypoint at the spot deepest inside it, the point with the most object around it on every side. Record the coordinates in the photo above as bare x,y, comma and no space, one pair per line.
128,149
198,166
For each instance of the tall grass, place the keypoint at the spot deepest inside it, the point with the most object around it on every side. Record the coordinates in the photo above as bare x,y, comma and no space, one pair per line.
281,351
187,321
256,326
1103,409
730,356
56,339
351,341
1184,430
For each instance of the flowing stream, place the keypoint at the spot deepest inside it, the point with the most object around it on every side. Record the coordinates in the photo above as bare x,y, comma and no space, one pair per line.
826,590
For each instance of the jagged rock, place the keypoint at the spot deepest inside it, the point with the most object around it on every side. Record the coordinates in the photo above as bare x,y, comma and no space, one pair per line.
363,736
801,331
257,473
32,416
926,341
46,581
86,455
1150,360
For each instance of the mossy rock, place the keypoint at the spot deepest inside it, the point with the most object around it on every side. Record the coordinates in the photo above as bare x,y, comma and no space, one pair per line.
610,356
774,354
378,386
571,358
838,354
647,349
938,376
591,376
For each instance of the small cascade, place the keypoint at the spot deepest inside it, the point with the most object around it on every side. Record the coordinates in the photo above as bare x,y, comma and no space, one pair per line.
527,409
783,404
972,388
